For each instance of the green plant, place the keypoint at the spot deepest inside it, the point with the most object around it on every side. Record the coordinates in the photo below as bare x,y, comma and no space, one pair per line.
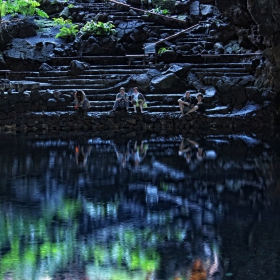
70,6
26,8
98,28
61,21
162,50
67,31
23,7
160,11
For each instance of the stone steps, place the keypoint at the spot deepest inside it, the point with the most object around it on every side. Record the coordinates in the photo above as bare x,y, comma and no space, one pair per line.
83,79
93,60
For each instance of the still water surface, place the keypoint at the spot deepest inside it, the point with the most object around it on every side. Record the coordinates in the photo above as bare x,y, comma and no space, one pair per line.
141,209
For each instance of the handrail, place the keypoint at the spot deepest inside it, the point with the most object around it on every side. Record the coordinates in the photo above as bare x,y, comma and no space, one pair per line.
177,34
144,11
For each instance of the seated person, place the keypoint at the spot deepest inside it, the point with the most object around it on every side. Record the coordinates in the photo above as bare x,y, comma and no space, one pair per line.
199,106
81,103
138,100
186,102
121,100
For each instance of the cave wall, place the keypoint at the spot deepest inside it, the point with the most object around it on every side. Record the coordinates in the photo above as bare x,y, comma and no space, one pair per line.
261,19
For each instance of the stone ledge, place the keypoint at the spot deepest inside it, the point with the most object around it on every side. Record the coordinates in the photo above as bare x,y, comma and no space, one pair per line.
159,123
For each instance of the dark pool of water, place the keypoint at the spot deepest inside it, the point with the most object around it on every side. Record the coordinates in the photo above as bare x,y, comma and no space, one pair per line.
117,209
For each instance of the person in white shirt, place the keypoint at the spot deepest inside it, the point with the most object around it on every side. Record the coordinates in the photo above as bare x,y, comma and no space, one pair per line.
137,100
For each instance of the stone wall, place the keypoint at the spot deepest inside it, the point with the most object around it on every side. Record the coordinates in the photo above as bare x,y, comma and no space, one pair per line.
159,123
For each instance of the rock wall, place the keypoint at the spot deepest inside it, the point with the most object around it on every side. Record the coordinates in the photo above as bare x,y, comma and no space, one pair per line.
260,21
159,123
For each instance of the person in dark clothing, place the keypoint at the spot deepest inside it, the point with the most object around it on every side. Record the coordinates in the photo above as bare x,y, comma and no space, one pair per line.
199,106
122,100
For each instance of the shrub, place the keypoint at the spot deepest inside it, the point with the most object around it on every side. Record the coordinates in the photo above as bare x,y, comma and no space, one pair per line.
159,11
162,50
68,31
23,7
98,28
61,21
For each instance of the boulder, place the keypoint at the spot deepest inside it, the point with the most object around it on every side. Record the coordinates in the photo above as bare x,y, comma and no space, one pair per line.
194,8
52,102
103,17
209,11
45,96
65,13
178,70
244,39
77,67
24,50
45,67
168,56
67,97
219,48
142,81
168,82
35,95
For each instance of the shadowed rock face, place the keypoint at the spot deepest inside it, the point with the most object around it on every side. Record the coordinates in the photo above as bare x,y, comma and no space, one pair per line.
264,13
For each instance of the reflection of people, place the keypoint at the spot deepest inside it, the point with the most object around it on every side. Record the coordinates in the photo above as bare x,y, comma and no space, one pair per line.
81,156
81,103
192,150
139,152
185,103
122,101
199,106
122,152
137,100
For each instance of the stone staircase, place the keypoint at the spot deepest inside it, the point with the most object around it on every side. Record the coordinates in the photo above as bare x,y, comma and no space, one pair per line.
107,74
101,84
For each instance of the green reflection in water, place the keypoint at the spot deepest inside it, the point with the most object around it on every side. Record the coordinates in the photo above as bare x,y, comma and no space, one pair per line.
36,247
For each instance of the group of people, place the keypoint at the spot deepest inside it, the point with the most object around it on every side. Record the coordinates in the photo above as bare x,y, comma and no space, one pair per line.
187,103
137,99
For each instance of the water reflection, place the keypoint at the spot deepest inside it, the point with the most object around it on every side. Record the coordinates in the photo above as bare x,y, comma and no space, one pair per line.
158,208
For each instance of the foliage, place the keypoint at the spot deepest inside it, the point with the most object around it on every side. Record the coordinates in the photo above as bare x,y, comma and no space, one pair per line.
160,11
70,6
162,50
23,7
2,8
98,28
61,21
67,31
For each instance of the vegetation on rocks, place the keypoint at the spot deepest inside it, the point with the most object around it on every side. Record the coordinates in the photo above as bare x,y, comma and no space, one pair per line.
68,30
160,11
162,50
23,7
98,28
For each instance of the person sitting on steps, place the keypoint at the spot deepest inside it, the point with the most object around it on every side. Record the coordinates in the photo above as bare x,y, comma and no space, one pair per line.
121,101
186,102
81,103
199,106
138,100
